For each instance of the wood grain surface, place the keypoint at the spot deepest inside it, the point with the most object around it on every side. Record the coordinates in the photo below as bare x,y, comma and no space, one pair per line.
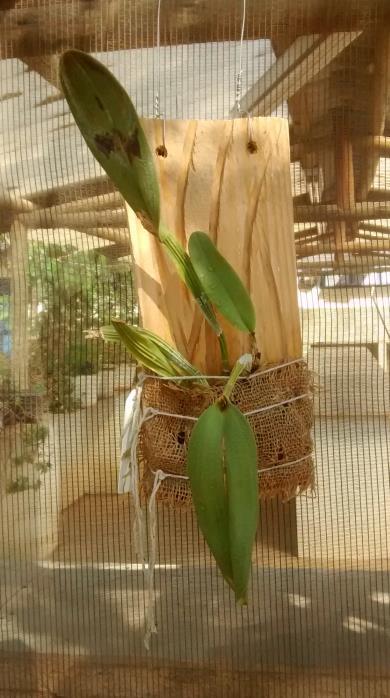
210,181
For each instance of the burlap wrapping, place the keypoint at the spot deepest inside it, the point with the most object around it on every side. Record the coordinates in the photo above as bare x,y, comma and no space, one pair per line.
282,431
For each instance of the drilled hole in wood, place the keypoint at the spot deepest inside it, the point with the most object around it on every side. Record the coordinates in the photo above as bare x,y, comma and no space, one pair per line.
161,151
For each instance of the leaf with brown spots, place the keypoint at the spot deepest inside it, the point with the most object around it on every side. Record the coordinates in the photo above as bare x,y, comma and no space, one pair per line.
110,126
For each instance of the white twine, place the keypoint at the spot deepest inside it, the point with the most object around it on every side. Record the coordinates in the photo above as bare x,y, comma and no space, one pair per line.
152,412
128,480
150,621
225,378
290,463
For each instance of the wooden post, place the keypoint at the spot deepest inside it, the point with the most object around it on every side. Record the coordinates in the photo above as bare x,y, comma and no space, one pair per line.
345,181
19,306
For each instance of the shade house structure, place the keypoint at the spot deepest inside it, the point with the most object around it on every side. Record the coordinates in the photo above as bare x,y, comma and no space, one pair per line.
268,125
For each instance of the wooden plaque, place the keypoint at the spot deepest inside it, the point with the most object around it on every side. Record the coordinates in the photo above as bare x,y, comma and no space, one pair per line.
209,181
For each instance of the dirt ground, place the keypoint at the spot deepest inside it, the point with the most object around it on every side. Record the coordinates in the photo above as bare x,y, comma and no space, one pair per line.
59,677
72,625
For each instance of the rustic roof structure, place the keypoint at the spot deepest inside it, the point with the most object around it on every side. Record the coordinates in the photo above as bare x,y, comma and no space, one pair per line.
323,64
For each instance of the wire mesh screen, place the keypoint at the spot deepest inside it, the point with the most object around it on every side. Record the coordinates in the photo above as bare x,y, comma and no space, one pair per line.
73,595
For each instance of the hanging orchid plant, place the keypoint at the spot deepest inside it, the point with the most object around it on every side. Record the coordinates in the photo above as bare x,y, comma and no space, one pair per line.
222,459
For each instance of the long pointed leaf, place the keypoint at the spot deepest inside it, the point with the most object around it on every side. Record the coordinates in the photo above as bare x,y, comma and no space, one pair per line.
142,349
187,273
179,363
207,480
222,467
152,351
221,283
242,492
110,126
109,334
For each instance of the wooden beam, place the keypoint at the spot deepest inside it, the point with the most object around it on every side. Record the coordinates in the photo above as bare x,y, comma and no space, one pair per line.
19,300
116,251
101,202
299,64
35,28
94,186
47,67
118,236
375,228
344,177
357,265
303,198
331,212
13,203
301,149
366,235
377,107
78,220
378,144
378,195
306,233
356,246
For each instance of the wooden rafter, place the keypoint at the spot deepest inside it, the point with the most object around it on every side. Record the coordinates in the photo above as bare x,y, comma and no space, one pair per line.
36,28
377,110
380,145
79,220
71,192
331,212
362,264
355,246
299,64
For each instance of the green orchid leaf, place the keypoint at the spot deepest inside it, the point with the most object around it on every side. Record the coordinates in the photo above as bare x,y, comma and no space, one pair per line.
142,349
222,468
221,283
242,487
152,352
109,334
110,126
188,275
207,480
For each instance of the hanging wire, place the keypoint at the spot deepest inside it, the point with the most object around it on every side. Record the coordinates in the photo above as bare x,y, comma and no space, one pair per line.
161,149
239,74
251,143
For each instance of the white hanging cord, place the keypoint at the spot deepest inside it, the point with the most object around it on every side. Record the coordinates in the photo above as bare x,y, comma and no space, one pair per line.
150,622
161,149
128,480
